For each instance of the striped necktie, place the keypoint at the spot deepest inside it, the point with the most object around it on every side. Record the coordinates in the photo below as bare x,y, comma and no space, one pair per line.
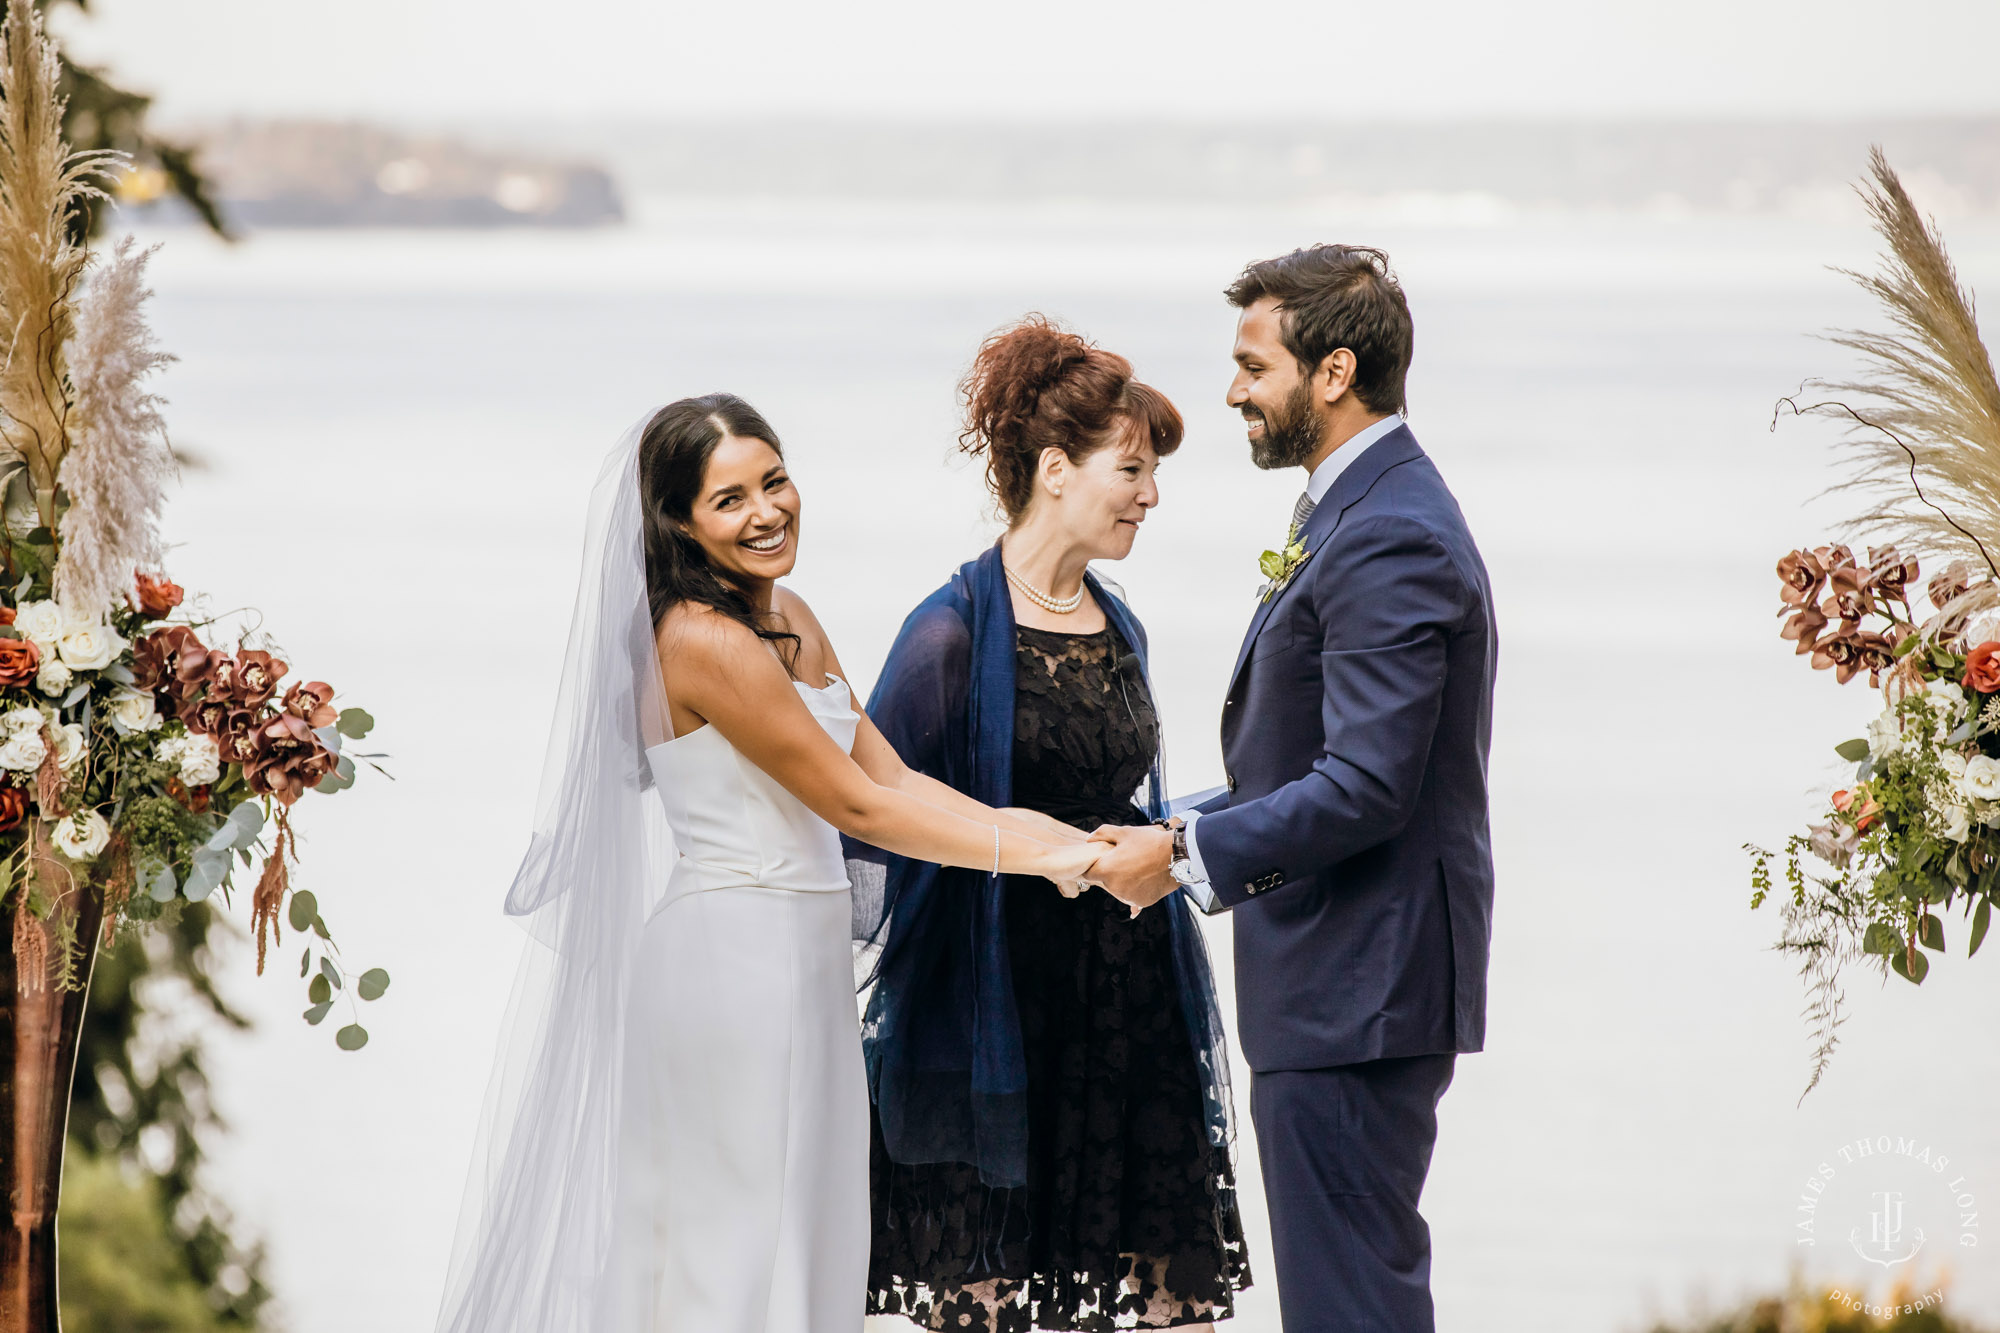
1300,513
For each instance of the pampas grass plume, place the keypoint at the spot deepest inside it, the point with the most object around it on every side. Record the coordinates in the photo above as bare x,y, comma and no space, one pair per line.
116,471
1928,383
41,182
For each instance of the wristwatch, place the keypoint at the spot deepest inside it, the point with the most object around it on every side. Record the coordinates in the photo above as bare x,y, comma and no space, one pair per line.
1179,864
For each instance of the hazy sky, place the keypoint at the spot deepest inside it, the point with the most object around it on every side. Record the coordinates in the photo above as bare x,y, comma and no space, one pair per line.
434,59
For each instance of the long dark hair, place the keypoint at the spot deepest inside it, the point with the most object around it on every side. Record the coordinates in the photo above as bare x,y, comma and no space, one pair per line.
673,458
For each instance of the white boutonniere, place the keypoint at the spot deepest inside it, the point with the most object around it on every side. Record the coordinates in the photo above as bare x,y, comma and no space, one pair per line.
1279,566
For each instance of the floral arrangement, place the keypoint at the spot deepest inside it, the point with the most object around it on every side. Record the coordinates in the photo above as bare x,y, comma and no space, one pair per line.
1913,839
148,757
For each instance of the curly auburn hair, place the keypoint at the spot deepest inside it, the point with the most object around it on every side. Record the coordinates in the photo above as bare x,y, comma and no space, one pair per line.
1038,386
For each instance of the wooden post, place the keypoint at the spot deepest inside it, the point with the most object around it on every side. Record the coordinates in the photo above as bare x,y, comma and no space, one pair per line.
39,1024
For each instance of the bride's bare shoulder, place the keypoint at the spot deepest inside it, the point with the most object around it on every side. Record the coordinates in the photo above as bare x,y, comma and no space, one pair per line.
702,640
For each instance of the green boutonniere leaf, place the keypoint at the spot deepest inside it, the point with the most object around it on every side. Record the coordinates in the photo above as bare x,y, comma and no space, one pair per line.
1279,566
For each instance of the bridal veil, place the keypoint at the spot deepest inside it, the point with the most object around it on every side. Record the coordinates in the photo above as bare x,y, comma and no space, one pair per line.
533,1251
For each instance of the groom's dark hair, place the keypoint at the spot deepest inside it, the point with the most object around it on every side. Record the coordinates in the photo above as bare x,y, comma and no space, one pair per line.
1335,296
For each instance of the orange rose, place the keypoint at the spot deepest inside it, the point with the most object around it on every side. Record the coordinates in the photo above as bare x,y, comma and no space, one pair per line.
1982,669
6,615
158,595
19,661
1865,812
13,808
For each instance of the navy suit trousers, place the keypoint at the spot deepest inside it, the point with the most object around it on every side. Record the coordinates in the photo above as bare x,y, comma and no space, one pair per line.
1345,1151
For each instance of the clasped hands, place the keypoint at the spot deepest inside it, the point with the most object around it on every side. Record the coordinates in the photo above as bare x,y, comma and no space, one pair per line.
1132,867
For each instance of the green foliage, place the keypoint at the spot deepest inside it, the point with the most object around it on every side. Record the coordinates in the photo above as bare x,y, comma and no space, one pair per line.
145,1080
123,1269
161,827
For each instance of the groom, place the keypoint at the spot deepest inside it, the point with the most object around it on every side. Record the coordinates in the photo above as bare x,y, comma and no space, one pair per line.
1351,842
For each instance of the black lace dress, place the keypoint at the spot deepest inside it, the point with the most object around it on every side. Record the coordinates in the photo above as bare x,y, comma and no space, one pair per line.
1129,1217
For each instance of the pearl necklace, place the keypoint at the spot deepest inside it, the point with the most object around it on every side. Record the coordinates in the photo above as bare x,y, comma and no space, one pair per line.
1060,606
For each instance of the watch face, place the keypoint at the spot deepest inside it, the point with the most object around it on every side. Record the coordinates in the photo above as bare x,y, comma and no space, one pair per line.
1182,871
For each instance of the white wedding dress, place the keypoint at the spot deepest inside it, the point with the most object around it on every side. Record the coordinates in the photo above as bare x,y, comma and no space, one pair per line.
743,1198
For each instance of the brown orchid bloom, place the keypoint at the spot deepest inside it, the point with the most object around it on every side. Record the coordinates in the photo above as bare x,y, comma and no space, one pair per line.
311,701
257,676
1840,650
1804,626
1802,574
156,658
1848,598
1875,653
1889,573
286,758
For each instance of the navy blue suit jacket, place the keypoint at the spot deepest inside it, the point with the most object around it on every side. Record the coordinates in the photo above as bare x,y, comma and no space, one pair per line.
1352,844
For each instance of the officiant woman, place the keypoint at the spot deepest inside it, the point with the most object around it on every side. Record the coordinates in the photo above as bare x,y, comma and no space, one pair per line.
1051,1125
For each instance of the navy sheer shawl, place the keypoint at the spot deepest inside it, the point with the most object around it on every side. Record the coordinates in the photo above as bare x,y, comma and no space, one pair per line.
942,1035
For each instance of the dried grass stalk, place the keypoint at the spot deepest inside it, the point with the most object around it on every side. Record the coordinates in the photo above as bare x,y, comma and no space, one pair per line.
41,182
267,903
1926,408
118,464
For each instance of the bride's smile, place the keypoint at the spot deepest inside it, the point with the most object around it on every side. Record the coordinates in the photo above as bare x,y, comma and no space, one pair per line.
747,519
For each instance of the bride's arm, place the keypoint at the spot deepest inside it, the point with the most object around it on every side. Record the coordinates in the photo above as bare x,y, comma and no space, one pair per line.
725,674
884,767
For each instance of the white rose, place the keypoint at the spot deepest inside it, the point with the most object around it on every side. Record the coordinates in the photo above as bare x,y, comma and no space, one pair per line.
17,720
23,751
44,622
1982,779
82,835
1957,823
201,761
132,712
90,647
53,678
1946,695
1885,735
70,743
1953,764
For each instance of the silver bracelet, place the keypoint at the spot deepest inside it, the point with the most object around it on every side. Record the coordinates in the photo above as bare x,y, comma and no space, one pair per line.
996,850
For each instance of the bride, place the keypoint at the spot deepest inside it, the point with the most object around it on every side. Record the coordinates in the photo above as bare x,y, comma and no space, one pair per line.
676,1135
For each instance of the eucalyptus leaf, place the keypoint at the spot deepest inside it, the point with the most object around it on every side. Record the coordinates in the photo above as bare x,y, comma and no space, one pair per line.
1930,933
352,1037
329,972
1853,751
157,881
1880,939
355,723
1961,736
76,692
329,737
120,673
1981,918
317,1013
305,961
319,992
373,982
206,876
319,929
304,908
1912,967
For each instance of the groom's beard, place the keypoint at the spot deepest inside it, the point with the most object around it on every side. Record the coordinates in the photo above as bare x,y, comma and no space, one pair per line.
1291,436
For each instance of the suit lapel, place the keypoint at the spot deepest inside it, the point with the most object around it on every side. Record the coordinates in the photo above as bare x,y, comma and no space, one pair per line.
1397,447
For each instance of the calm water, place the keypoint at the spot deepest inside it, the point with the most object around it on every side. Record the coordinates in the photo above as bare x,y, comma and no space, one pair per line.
399,431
